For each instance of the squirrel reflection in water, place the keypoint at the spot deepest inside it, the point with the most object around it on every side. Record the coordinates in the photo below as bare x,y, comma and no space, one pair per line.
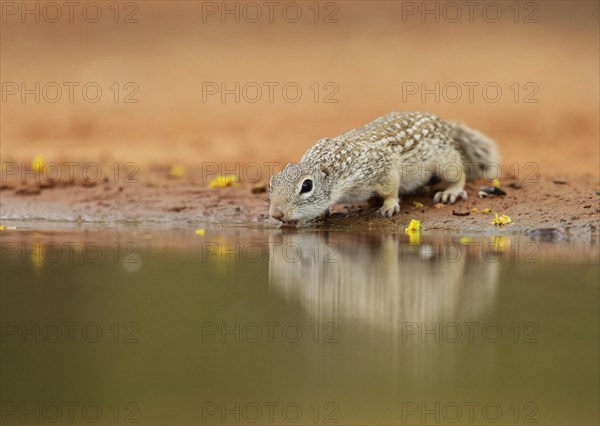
381,280
390,300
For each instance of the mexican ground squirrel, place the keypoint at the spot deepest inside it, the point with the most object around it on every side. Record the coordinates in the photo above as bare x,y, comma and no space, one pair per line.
394,154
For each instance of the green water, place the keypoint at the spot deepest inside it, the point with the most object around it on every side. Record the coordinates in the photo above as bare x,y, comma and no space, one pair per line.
295,327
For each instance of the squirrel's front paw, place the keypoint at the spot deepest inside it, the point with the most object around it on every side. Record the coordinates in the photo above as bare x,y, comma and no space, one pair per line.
390,207
450,196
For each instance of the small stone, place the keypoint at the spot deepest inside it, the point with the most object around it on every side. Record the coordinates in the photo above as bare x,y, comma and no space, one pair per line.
28,191
490,191
457,213
559,181
177,209
259,188
46,185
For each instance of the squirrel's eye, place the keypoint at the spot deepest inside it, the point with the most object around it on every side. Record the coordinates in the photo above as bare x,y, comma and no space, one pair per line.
306,186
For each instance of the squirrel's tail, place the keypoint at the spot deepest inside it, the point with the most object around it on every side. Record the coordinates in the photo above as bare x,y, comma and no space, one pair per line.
479,152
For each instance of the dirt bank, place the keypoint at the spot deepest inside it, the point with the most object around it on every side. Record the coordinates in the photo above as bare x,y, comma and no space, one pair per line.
570,204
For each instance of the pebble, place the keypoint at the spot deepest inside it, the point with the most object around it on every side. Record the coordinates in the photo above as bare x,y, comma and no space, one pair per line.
490,191
259,188
28,191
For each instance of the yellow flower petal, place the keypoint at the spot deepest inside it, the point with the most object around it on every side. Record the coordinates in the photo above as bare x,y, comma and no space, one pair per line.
496,183
484,211
37,163
501,220
200,231
413,226
222,181
177,171
414,232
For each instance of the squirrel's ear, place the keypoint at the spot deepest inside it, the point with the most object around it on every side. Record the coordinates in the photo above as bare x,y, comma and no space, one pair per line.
324,169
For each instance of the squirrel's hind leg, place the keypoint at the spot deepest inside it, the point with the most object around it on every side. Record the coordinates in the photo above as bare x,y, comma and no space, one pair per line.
457,179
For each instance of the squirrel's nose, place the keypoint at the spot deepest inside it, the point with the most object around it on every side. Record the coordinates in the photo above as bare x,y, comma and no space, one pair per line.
277,213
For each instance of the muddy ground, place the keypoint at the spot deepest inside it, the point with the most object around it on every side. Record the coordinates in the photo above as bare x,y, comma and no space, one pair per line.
569,205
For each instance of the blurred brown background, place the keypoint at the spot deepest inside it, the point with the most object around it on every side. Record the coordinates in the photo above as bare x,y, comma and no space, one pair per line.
546,51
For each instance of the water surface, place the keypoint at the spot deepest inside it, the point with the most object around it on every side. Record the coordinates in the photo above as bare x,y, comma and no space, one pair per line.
295,327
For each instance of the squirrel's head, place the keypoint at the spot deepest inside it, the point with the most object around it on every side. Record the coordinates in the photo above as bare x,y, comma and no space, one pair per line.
300,192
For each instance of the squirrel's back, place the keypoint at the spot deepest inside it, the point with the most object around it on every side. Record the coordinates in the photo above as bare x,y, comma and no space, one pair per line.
401,132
